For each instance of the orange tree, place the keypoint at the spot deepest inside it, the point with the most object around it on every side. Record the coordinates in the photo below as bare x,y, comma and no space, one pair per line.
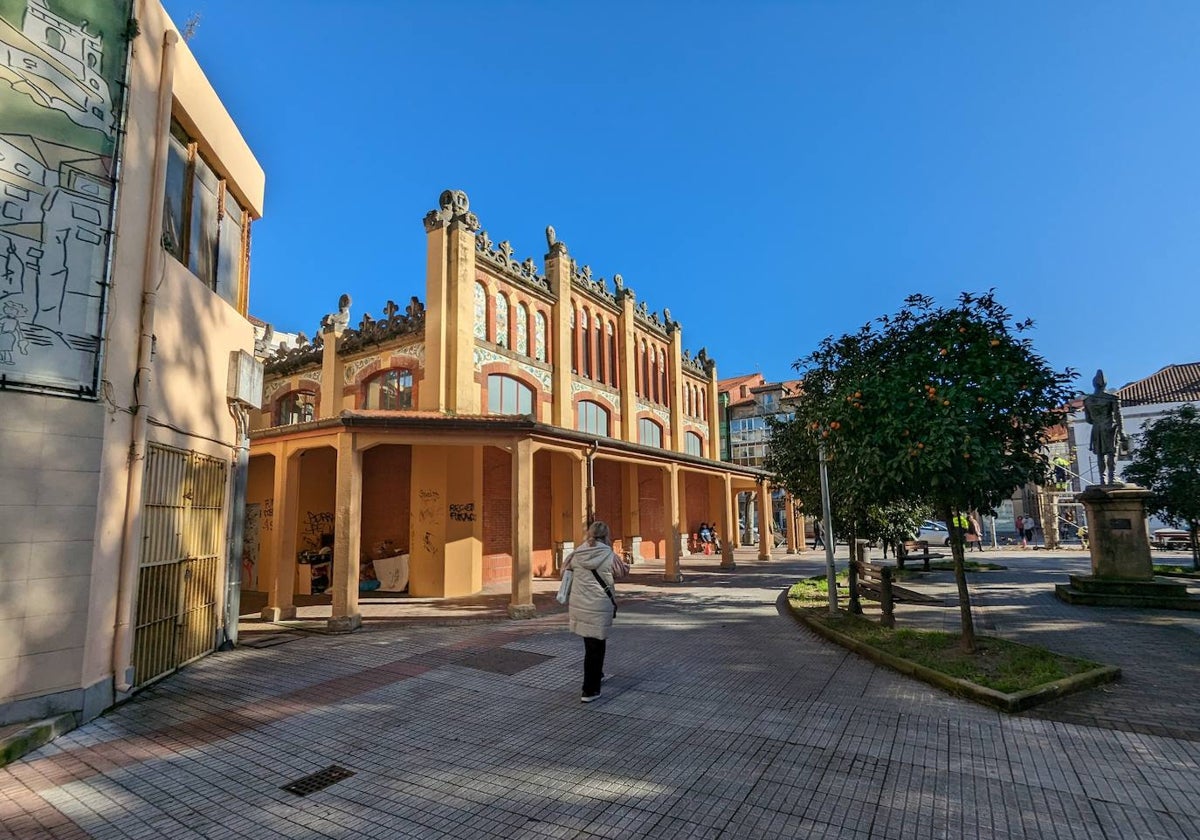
946,407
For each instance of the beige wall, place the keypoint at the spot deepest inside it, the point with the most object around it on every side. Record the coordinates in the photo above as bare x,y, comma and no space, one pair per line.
64,469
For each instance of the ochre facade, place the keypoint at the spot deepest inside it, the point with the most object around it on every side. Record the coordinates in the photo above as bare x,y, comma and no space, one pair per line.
478,431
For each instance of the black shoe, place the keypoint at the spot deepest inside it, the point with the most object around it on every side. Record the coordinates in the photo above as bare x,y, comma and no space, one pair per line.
588,698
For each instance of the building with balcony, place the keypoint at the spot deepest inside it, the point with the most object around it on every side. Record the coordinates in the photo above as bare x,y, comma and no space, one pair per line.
122,430
474,433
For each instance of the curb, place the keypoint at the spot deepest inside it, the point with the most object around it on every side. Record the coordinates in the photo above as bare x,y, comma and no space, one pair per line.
1017,702
33,735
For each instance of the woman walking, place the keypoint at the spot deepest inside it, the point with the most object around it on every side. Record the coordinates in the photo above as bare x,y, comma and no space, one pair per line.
592,603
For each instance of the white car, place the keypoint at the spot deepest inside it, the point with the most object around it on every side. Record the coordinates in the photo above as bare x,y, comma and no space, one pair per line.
934,532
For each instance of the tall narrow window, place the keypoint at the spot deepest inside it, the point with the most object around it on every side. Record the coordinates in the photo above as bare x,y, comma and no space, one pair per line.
390,390
574,343
662,375
645,372
704,405
501,319
480,311
507,395
687,400
649,432
539,336
599,349
692,444
523,329
612,356
654,380
585,330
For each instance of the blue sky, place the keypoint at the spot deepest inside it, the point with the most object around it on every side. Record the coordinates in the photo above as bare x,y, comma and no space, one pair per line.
771,172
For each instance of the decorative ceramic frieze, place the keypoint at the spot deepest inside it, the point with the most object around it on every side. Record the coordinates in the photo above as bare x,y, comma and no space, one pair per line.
613,397
484,356
657,410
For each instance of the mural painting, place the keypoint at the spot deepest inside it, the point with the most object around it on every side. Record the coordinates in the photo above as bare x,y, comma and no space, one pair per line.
62,67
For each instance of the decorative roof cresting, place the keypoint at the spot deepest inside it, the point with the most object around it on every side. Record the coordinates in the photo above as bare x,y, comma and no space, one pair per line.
453,207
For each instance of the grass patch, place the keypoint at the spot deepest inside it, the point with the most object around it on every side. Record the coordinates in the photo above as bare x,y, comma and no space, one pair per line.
1178,571
997,664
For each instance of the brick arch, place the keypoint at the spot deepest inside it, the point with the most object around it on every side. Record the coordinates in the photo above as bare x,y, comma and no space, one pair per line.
541,399
299,385
614,415
656,420
397,361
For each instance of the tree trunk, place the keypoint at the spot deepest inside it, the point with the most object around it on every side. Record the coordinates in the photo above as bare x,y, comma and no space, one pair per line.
1195,546
960,578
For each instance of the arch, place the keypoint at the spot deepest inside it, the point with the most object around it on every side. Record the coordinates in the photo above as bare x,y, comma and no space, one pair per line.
593,418
539,336
509,395
390,390
502,319
522,329
650,433
693,444
296,406
480,311
704,404
55,39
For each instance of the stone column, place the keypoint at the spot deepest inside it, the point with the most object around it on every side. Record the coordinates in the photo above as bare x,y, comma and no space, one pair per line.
521,604
714,413
559,268
728,525
627,359
685,528
282,586
332,373
347,521
445,525
670,491
675,383
1048,515
449,382
790,525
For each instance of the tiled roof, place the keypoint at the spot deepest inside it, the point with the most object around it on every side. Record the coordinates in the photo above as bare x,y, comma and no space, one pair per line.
1174,383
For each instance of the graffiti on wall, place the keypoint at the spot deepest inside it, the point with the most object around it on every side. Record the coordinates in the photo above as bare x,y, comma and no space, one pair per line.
429,520
251,539
315,526
62,63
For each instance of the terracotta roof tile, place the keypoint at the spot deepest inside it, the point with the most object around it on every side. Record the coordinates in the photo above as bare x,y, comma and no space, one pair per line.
1174,383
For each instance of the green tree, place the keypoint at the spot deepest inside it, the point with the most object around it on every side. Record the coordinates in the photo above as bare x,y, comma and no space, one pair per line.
946,407
1167,463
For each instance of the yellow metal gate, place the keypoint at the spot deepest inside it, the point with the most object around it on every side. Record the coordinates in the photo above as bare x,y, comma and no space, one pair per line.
180,570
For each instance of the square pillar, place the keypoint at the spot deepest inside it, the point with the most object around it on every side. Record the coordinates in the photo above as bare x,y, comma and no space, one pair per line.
521,603
671,523
347,531
446,528
790,525
286,500
631,517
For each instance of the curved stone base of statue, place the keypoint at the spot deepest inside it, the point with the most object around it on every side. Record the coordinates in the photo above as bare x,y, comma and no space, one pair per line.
1122,570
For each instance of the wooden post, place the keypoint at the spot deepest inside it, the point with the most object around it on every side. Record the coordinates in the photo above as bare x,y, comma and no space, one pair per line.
888,618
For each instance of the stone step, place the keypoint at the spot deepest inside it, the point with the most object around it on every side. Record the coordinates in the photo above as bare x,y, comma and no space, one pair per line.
16,741
1070,595
1158,587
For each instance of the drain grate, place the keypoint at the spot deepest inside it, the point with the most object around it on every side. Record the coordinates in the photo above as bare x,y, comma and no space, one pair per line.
318,781
503,661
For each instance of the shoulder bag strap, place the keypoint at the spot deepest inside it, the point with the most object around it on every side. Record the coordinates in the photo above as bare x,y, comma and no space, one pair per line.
607,591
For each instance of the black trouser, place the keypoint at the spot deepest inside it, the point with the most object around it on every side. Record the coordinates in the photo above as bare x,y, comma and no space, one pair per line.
593,664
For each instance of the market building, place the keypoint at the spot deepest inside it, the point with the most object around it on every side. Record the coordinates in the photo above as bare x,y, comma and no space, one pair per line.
122,422
471,436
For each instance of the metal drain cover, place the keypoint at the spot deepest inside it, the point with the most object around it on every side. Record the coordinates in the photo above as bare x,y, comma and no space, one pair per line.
318,781
503,661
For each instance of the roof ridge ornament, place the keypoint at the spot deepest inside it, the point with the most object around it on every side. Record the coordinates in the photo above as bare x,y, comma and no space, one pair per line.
453,208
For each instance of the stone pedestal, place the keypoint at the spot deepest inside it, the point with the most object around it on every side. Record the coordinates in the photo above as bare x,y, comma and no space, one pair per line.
633,547
1122,571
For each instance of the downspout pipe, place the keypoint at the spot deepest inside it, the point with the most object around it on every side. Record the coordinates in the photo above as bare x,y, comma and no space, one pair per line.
591,482
237,527
122,653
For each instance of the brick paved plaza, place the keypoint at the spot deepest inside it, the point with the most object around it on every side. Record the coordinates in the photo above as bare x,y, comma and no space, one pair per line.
723,718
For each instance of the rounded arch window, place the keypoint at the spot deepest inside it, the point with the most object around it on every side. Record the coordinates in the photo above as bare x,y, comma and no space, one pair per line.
389,390
539,336
522,329
480,311
55,39
693,444
649,432
593,418
501,319
296,407
508,395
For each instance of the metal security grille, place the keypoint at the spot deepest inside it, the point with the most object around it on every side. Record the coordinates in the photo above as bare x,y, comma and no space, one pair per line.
179,573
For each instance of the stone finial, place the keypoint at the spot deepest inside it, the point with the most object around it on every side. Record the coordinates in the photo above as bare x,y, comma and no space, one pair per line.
554,246
389,310
301,339
453,207
415,308
336,322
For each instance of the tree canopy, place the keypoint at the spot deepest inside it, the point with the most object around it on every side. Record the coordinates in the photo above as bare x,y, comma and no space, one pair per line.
943,406
1167,463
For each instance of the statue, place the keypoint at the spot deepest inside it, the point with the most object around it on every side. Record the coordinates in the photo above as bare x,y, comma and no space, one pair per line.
1103,410
339,320
551,238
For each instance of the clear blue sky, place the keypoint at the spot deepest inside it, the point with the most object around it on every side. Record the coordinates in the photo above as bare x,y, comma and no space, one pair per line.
771,172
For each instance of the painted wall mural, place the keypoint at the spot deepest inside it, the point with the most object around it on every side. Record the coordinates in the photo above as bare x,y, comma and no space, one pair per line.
62,63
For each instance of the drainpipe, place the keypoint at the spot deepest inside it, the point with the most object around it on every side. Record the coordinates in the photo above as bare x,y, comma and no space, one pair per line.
237,527
122,654
591,483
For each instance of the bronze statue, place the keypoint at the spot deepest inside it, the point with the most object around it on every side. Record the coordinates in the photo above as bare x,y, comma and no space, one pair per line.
1103,410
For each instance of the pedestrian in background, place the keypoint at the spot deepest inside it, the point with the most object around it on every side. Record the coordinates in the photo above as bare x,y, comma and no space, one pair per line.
592,603
1021,530
818,537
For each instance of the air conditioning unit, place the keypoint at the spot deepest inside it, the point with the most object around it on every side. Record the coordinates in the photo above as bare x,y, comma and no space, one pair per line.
245,379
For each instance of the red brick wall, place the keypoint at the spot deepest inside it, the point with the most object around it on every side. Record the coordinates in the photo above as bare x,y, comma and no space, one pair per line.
497,516
696,502
386,493
607,477
654,534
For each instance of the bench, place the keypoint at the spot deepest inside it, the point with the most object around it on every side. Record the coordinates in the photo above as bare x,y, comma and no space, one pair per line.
869,580
915,550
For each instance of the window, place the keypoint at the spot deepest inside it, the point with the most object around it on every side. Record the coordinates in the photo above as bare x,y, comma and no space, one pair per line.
480,311
662,374
55,39
599,349
390,390
204,227
649,432
522,329
296,407
501,319
687,400
692,444
612,357
539,336
585,330
507,395
574,345
592,418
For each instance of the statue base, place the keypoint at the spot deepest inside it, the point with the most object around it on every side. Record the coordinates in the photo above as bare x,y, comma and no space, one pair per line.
1122,571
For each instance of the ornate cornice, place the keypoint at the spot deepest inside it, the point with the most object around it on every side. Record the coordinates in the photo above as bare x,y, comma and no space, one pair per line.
288,360
595,286
701,364
578,388
485,356
501,258
657,410
394,324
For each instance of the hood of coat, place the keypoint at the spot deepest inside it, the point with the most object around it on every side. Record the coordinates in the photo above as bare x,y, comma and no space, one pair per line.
590,557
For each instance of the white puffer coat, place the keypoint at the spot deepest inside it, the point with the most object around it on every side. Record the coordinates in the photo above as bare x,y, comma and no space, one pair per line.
590,611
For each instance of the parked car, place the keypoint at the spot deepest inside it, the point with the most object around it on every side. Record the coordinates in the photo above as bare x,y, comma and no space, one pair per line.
934,532
1171,538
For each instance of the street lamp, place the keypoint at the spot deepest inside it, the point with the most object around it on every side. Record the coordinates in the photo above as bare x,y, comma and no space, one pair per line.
828,538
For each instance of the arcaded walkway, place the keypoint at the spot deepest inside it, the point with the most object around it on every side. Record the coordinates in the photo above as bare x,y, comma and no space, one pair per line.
722,719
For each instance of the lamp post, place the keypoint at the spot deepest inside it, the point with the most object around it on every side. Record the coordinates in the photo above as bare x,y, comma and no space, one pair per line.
827,524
